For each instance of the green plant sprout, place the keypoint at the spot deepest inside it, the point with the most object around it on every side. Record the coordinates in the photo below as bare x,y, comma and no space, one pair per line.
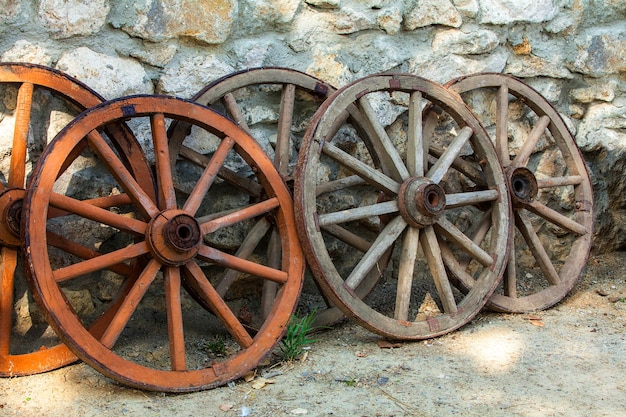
296,338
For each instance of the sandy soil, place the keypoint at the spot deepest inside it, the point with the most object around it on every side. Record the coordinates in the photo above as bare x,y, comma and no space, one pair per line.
567,361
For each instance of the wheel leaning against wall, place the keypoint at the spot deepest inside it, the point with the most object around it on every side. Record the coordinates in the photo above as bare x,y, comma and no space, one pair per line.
549,185
366,188
156,336
36,99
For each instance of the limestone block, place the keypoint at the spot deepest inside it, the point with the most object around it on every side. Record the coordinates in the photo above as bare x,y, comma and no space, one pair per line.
504,12
467,8
350,20
260,16
443,68
67,18
458,42
110,76
9,10
603,127
390,20
526,66
208,21
432,12
157,55
600,92
187,76
601,51
24,51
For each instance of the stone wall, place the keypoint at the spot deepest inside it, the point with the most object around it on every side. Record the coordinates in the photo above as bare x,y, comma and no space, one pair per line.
572,51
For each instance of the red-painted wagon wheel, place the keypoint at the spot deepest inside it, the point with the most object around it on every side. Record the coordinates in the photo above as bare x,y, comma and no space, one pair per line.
275,106
549,185
425,194
156,337
36,99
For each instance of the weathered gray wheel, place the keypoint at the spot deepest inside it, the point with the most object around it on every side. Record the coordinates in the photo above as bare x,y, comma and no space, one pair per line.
549,186
373,182
275,106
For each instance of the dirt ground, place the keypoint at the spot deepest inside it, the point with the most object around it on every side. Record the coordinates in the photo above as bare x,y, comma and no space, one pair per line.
567,361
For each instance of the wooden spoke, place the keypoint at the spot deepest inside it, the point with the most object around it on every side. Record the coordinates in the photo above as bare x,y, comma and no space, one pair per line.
536,247
527,148
408,254
9,263
358,213
386,151
369,174
444,162
171,278
336,185
502,124
162,159
463,242
242,265
417,147
121,174
270,288
560,181
235,111
83,252
208,176
130,304
240,215
510,277
247,185
217,304
470,198
97,214
431,249
285,120
17,174
383,242
249,244
556,218
357,242
105,261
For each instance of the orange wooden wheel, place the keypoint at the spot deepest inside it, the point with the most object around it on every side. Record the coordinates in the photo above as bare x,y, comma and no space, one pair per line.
37,92
146,249
549,186
379,181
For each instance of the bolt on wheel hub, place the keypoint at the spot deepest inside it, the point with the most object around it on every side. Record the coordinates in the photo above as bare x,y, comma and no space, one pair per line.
523,186
174,237
11,211
421,201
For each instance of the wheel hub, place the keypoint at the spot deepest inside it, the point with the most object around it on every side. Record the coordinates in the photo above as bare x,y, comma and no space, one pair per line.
174,237
523,186
11,214
421,201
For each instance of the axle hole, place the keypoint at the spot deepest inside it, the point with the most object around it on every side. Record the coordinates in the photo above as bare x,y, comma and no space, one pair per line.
184,231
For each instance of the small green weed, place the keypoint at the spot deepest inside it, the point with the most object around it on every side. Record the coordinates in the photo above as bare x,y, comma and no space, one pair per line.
216,346
295,340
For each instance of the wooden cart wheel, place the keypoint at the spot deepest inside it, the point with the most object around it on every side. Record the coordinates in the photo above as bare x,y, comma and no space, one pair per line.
37,92
288,100
159,338
360,191
549,185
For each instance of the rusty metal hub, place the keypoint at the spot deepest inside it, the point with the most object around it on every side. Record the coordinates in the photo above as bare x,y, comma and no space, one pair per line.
11,214
421,201
174,237
523,186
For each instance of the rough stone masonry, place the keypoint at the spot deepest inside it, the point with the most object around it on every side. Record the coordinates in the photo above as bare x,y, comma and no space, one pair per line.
572,51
